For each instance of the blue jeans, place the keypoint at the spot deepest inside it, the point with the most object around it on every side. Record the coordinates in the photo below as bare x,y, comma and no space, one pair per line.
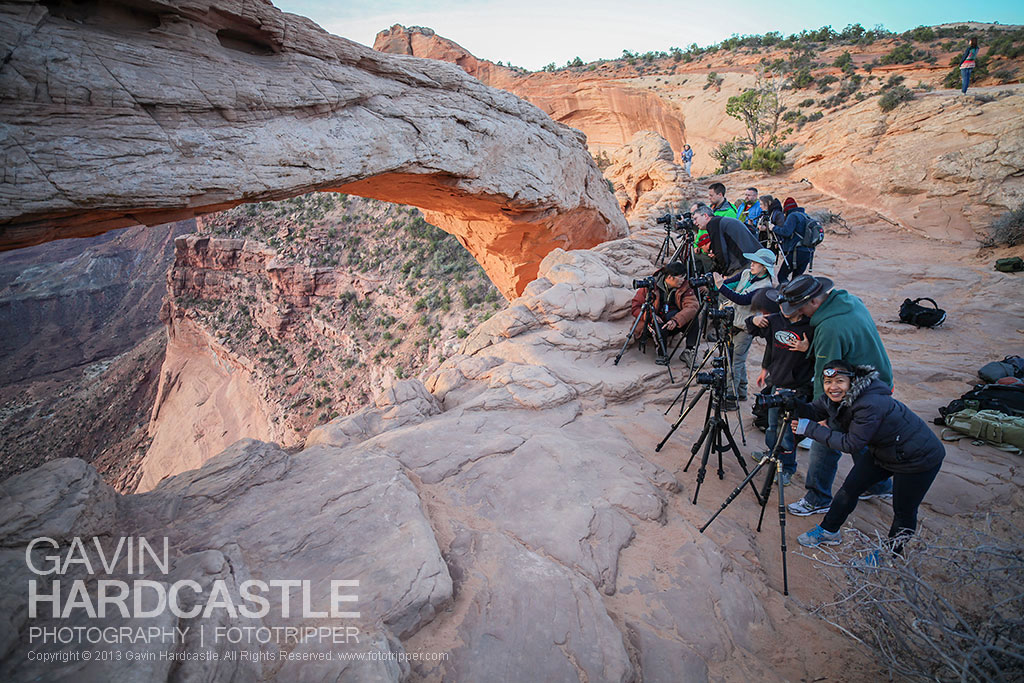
821,473
686,165
965,77
787,451
740,347
795,264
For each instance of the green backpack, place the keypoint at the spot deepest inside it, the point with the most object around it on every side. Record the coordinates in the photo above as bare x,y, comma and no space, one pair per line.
997,429
1012,264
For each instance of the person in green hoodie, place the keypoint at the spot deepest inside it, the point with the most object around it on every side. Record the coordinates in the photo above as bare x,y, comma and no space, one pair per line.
843,330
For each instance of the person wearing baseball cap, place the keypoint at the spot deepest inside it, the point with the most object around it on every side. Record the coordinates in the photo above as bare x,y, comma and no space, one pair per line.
843,330
790,235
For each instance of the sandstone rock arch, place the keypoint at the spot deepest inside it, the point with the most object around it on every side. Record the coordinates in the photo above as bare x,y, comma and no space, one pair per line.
119,112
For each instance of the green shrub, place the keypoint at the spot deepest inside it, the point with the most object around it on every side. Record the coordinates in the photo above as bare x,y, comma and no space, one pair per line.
894,97
816,116
764,160
803,78
901,54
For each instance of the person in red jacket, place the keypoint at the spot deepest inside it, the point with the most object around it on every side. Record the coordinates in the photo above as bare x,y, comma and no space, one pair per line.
675,303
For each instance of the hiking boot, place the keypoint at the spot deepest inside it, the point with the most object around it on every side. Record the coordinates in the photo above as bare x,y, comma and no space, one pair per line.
818,536
869,496
730,405
802,508
688,357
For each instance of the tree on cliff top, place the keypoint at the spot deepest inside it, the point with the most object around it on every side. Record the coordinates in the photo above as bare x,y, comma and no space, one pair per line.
760,109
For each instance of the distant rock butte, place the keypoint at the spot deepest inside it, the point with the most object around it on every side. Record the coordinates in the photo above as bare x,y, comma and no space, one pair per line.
272,107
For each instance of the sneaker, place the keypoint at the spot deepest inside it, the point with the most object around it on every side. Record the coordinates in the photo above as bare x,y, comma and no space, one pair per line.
869,496
730,405
688,357
818,536
805,444
802,508
787,478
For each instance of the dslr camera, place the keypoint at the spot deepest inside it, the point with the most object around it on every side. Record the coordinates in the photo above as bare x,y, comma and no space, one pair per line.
706,280
715,378
783,398
649,282
684,221
726,314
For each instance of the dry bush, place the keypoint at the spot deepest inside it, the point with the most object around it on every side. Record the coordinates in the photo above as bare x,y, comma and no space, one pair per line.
1008,229
949,608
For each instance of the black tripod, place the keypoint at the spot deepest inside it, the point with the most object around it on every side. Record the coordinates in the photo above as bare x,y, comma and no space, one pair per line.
668,245
774,477
651,328
723,322
716,434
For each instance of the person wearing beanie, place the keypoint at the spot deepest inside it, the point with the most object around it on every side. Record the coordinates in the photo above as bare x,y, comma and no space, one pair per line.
790,235
675,303
888,438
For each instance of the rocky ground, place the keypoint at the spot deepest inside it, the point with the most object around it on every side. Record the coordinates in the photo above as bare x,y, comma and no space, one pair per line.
521,520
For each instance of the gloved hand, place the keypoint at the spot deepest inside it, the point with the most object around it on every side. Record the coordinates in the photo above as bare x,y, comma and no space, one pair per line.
801,426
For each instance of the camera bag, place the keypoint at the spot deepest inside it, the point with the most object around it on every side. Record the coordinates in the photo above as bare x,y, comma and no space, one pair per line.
913,313
1011,264
1011,366
1005,432
1006,398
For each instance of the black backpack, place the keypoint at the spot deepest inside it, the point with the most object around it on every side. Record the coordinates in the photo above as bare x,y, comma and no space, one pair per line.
813,235
913,313
1011,366
1006,398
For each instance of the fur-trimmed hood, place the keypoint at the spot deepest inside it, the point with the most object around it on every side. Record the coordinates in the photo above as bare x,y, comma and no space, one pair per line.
866,376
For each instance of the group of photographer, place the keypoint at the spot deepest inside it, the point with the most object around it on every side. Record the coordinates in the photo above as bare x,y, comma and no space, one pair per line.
824,359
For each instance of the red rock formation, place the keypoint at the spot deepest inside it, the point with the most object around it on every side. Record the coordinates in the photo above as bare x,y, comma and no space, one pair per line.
608,112
272,107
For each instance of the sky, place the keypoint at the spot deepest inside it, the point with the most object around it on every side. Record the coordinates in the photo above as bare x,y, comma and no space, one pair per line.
532,33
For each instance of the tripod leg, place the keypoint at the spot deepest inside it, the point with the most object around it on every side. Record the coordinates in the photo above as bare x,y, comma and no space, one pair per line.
734,494
703,433
782,534
629,337
703,467
675,425
739,459
767,490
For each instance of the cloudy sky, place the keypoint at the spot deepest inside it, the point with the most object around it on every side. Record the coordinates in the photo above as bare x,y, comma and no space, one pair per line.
532,33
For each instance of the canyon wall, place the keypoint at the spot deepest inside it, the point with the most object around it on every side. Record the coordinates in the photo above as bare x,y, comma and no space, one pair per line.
942,165
273,107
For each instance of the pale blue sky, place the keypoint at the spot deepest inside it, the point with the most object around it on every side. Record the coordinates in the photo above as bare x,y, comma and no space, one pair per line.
532,33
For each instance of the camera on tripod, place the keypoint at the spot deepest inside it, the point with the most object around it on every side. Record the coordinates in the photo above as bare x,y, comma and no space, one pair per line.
706,280
682,221
649,282
727,315
716,377
783,398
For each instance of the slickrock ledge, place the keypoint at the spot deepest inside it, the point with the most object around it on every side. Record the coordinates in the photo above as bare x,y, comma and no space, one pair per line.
146,112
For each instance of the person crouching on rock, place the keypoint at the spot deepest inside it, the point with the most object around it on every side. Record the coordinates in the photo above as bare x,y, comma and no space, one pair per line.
675,303
899,444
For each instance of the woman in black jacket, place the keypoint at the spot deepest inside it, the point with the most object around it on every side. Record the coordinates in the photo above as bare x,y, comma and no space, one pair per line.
887,438
772,217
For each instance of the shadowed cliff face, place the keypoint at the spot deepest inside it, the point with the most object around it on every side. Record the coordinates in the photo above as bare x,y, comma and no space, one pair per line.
272,107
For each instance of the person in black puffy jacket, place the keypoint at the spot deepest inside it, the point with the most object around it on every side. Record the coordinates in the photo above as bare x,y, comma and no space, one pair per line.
890,439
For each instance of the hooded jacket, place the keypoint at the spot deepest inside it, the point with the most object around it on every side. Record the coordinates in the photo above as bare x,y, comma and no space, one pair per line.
682,298
845,330
791,232
868,415
730,239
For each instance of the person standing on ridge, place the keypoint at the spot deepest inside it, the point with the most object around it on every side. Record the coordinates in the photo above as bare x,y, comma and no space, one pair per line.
967,64
687,156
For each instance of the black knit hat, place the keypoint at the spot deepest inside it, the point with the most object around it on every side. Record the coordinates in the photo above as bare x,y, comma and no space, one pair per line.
675,268
763,301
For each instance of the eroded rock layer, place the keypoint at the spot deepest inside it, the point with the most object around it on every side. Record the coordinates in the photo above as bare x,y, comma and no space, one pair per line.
155,112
